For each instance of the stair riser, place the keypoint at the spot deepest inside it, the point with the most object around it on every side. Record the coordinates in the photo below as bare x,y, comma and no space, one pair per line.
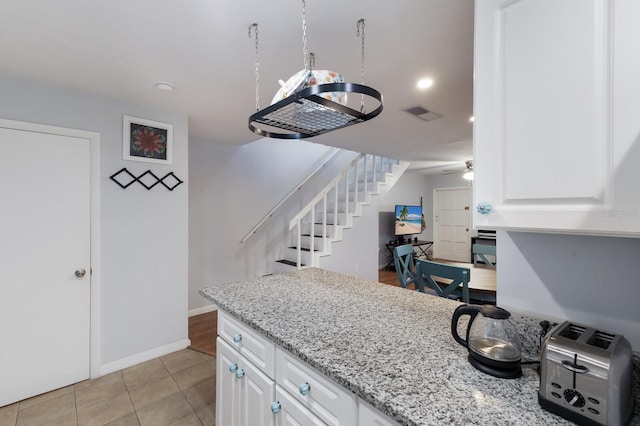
371,187
370,177
318,244
281,268
361,196
317,230
386,163
292,255
331,208
378,179
342,219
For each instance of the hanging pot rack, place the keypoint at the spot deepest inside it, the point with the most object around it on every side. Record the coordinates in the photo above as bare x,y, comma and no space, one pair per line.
305,113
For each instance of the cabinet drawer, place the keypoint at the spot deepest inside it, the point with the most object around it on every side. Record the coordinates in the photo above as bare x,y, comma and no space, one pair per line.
329,401
256,348
292,412
369,416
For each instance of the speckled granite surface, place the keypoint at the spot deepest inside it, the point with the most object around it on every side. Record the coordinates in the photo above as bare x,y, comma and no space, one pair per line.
390,346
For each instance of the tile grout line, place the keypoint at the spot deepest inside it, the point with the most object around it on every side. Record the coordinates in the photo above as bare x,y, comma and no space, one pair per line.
182,391
204,359
75,404
135,411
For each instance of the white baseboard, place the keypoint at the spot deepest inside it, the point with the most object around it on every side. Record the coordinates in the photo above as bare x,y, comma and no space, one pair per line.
203,310
143,356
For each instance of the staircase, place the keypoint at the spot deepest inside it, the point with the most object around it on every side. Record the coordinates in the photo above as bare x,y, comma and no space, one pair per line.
323,220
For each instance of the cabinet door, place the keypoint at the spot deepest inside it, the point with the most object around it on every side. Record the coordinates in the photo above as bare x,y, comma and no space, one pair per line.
257,394
292,413
228,390
554,134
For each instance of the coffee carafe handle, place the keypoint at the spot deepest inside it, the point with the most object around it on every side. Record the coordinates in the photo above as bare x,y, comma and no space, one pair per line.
472,311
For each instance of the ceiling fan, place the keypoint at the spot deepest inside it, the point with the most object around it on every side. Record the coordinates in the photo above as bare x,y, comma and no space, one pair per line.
467,171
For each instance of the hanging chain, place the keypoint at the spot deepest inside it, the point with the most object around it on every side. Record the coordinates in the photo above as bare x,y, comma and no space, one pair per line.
304,35
312,61
360,33
255,26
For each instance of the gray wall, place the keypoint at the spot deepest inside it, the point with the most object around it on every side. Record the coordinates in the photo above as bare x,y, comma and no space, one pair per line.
356,254
586,279
232,189
143,233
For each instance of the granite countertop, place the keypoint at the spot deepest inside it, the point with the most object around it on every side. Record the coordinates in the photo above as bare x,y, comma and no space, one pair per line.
392,347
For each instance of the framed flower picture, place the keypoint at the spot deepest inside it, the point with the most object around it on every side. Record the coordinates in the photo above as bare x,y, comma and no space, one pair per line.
147,141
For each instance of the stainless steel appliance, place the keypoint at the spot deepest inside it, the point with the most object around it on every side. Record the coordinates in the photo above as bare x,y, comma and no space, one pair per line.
491,338
586,375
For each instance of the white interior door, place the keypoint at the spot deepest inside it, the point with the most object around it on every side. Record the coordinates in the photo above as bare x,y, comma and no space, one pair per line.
452,219
44,247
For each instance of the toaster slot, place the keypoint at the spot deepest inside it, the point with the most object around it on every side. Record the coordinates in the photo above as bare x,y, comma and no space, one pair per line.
573,332
601,340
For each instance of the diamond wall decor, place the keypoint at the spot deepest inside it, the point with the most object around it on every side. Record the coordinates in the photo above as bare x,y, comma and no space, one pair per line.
124,178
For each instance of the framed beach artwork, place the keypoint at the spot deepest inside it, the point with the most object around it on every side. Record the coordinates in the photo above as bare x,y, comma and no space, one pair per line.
147,141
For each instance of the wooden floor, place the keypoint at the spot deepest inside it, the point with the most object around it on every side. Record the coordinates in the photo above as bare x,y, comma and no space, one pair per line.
202,328
202,332
388,277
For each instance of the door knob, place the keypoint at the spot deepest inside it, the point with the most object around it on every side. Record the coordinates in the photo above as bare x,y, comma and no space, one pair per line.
80,273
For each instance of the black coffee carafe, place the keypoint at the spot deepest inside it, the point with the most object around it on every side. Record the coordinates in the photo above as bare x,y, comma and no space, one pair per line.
492,340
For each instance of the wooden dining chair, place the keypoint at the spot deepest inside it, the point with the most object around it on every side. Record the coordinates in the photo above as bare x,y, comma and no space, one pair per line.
405,266
482,251
446,280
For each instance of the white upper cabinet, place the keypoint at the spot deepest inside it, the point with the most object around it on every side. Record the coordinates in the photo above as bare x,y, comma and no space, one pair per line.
557,115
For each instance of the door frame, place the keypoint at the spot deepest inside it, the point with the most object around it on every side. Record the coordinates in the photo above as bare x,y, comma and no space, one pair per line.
436,210
94,304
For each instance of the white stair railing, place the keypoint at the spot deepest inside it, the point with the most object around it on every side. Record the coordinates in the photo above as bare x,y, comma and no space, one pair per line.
337,190
297,188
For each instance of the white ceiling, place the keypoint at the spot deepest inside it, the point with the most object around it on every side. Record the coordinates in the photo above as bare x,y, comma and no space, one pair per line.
121,48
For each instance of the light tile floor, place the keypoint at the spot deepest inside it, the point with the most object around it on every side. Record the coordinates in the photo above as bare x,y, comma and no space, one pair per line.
176,389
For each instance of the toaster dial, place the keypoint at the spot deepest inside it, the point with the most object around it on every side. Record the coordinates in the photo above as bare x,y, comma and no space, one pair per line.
574,398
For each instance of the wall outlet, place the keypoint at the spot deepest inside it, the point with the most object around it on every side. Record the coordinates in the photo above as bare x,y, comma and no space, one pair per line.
356,267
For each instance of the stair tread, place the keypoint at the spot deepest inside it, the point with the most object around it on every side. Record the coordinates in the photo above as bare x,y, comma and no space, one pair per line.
288,262
350,197
302,248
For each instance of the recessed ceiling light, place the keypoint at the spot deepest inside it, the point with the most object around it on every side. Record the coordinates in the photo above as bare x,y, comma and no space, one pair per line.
472,119
425,83
165,87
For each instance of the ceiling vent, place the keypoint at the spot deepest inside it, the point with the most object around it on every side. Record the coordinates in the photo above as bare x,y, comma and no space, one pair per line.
423,113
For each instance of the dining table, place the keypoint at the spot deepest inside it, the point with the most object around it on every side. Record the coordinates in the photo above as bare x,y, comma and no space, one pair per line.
482,281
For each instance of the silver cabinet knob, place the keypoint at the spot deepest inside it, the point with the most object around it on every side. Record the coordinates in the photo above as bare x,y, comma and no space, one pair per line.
80,273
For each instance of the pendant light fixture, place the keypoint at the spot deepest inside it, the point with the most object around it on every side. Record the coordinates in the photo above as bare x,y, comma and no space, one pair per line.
312,102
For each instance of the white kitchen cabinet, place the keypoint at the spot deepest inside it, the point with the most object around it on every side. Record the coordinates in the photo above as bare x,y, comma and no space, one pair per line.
293,413
228,390
556,105
259,384
243,393
332,403
369,416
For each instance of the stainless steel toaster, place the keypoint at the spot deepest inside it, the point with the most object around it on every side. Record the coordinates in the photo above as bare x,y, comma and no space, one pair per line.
586,375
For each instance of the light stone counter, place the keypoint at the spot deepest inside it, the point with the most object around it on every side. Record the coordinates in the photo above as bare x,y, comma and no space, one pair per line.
390,346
